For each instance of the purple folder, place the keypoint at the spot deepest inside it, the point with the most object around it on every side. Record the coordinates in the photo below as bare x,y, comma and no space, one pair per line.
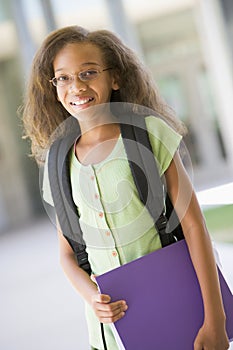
164,298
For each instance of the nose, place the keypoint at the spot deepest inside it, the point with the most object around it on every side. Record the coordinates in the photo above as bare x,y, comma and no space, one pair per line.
78,85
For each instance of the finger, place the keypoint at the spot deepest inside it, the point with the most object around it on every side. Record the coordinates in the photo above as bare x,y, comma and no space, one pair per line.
111,319
198,346
111,308
118,305
102,298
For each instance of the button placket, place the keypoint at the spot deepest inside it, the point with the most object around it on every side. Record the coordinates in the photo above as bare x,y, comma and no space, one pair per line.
114,257
95,195
99,209
104,230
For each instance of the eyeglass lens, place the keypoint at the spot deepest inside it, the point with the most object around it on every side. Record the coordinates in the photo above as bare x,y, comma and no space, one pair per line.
87,75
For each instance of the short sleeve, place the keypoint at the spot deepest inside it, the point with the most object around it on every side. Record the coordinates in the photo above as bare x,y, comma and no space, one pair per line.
46,190
164,141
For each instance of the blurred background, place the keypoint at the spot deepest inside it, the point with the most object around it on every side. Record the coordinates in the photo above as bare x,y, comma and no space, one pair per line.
188,46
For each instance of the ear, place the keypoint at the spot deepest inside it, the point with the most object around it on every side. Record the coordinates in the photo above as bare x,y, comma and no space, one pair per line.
115,85
115,80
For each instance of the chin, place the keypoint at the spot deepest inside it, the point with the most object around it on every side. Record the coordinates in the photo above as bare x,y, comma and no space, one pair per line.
91,113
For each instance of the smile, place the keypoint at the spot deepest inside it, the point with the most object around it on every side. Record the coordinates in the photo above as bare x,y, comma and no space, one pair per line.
81,101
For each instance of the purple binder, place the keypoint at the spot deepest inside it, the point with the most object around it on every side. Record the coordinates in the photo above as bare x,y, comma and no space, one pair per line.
164,298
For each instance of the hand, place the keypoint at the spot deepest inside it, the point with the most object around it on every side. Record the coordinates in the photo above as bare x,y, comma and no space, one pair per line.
211,338
106,311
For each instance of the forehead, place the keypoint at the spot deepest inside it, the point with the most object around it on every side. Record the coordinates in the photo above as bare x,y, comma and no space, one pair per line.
78,55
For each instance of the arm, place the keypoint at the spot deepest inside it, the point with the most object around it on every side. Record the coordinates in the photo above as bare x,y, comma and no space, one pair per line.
212,334
106,311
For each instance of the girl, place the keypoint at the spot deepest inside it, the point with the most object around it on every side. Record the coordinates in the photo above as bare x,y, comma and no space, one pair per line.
73,72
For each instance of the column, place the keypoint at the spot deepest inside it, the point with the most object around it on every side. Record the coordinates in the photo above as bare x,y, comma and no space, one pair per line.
122,26
217,55
26,44
48,13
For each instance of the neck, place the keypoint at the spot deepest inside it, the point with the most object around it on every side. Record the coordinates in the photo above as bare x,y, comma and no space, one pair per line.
101,130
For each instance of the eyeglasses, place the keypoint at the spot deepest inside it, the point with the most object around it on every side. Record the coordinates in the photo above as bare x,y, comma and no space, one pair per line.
86,75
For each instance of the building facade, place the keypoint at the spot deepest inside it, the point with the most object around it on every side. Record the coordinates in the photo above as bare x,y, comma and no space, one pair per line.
187,45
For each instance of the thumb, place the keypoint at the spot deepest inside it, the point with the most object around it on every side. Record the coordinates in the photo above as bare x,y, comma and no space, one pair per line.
103,298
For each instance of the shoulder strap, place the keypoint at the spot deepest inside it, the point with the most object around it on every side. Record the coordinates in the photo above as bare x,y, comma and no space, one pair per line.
142,163
147,179
66,211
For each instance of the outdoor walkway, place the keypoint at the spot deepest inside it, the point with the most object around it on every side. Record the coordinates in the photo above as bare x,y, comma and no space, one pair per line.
39,310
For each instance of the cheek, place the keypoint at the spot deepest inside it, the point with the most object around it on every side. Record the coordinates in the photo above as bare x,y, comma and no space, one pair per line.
60,96
61,99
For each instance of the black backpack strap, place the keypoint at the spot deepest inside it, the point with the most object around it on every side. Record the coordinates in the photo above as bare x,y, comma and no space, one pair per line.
147,179
66,211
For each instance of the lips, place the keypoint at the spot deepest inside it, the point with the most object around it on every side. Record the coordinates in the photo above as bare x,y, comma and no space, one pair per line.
81,101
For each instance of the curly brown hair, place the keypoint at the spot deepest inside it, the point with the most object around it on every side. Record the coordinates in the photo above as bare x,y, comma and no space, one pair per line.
42,113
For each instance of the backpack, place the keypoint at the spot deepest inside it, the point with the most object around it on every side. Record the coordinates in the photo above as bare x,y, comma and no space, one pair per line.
145,174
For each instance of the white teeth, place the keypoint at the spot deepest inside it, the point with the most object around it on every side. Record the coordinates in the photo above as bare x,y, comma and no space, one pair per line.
81,102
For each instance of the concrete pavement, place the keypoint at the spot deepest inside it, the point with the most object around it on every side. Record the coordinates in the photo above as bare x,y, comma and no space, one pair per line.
39,310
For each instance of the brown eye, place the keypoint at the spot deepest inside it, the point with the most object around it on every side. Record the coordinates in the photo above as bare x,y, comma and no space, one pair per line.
89,74
63,78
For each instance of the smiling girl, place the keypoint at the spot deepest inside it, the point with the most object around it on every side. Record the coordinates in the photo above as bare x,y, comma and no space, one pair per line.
73,72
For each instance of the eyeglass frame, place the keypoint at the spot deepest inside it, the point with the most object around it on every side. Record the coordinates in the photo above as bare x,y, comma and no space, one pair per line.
73,76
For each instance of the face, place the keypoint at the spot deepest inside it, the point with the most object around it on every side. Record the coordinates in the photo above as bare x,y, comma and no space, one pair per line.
77,95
